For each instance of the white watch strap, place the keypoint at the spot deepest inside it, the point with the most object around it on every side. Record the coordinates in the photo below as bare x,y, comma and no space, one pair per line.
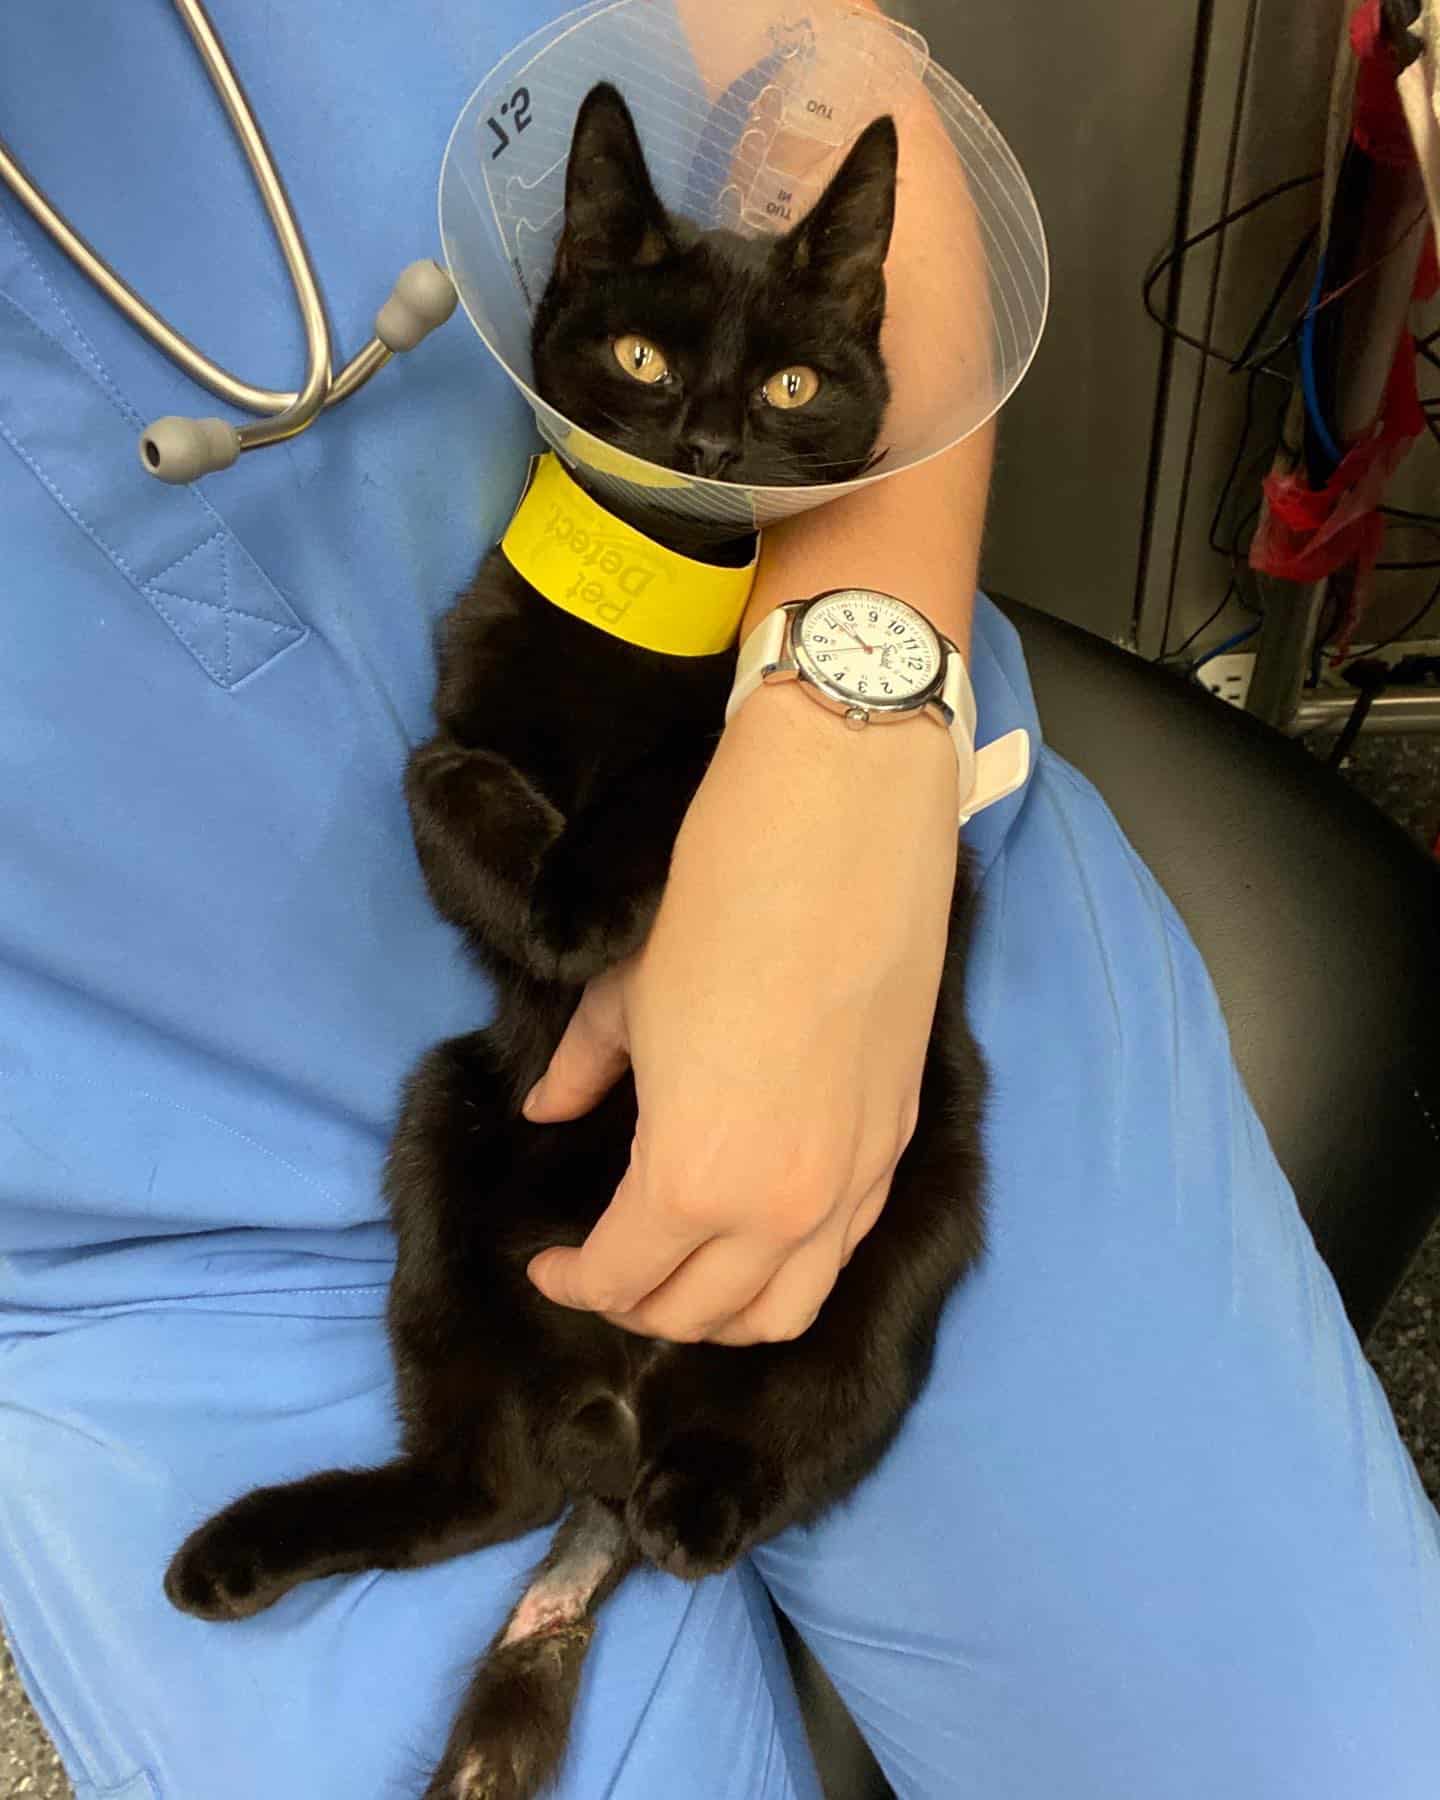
759,653
986,775
1001,768
989,774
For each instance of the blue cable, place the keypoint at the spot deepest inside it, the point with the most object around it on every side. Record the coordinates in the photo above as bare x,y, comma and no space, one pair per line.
1231,643
1307,373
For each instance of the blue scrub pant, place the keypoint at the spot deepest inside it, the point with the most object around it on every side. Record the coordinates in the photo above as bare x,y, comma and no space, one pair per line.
1149,1533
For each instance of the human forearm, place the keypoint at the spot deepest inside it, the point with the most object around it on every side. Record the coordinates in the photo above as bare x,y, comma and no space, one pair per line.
916,536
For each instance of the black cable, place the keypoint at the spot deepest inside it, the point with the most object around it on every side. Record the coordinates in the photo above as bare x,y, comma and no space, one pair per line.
1277,294
1430,530
1404,631
1231,593
1172,256
1210,308
1353,725
1232,473
1267,456
1164,386
1212,302
1236,365
1255,365
1333,296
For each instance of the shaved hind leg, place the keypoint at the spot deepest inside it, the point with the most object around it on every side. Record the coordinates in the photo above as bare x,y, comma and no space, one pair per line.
508,1740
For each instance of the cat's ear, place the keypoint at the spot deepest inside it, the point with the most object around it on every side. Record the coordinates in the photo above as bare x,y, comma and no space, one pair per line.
613,217
844,238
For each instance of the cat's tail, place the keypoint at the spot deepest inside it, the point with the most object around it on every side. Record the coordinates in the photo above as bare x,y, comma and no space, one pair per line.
509,1738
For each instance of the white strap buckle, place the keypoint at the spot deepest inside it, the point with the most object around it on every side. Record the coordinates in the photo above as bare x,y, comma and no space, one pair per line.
1001,769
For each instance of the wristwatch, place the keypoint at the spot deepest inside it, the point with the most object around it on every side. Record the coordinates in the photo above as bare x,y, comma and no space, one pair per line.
876,660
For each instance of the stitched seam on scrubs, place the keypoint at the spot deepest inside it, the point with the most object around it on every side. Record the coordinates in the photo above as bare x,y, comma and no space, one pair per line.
644,1713
144,588
190,1112
139,582
237,612
128,1790
91,356
1168,911
57,1728
220,534
106,1309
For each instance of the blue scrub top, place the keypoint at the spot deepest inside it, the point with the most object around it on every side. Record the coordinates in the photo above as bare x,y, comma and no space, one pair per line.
216,955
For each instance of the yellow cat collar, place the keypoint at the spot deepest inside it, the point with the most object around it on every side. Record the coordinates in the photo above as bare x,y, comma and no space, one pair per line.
586,561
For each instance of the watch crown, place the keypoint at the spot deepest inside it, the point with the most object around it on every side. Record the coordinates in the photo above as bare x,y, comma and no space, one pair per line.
856,718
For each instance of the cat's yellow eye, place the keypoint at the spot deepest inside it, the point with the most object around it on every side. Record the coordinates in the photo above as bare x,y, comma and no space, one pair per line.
792,387
641,359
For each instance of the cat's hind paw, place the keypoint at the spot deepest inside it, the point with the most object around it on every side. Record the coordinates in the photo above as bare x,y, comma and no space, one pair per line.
509,1739
699,1505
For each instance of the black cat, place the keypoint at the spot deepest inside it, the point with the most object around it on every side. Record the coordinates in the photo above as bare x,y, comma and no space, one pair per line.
544,823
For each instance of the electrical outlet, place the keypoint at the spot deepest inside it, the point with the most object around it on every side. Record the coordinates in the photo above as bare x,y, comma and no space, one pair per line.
1229,676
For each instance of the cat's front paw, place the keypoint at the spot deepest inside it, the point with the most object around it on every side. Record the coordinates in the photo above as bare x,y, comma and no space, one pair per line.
223,1571
588,926
482,830
700,1505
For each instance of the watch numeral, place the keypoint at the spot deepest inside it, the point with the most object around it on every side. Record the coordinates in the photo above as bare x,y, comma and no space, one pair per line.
897,628
914,662
874,616
887,687
862,686
850,617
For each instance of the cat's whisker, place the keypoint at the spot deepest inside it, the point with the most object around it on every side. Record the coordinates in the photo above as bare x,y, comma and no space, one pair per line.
815,468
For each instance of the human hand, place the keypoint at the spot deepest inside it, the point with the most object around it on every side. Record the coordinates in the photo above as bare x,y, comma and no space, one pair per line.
777,1020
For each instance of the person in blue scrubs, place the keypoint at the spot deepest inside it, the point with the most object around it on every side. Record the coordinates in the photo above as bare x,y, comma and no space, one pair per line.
1150,1530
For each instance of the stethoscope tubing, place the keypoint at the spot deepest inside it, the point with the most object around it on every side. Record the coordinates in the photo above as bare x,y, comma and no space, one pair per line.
281,414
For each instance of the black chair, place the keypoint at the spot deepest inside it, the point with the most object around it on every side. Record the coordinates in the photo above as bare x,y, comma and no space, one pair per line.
1320,923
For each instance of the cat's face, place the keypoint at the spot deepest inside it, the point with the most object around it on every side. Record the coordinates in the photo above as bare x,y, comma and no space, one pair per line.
747,360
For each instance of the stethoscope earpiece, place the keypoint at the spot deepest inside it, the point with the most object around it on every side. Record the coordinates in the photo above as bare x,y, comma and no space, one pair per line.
176,450
420,301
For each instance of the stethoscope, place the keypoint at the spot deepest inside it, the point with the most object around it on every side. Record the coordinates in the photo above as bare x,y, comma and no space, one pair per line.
178,449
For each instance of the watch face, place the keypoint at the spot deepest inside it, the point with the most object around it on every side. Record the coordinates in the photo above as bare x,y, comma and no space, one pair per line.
868,647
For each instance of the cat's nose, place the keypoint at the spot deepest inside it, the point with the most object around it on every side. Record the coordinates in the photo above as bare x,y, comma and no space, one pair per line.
707,453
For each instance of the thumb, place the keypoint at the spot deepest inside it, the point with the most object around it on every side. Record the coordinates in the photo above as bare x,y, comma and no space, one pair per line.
589,1059
557,1274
